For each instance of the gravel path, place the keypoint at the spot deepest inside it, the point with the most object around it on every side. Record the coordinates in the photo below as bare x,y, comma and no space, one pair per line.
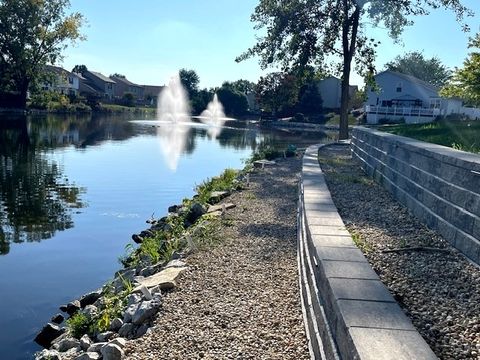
240,299
440,291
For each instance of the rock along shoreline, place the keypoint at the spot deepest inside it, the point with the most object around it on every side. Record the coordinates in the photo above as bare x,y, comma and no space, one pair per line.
99,324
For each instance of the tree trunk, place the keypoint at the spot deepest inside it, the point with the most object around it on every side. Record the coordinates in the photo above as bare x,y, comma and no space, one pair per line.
24,93
349,39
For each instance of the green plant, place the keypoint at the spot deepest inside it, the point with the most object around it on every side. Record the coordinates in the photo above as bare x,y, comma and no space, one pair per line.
224,182
79,324
360,242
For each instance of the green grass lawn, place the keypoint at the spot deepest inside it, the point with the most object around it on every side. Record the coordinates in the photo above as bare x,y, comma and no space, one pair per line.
334,119
461,135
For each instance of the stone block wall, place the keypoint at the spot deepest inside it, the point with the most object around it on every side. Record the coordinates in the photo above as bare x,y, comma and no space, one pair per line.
440,186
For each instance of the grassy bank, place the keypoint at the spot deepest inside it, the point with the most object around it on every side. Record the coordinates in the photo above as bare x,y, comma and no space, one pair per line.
460,135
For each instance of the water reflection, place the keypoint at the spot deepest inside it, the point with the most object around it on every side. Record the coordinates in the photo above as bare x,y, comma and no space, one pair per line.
36,200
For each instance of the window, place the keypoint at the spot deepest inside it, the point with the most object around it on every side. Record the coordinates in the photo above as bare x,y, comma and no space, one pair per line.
399,87
70,80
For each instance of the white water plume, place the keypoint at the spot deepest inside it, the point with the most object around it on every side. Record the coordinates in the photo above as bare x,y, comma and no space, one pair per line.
214,117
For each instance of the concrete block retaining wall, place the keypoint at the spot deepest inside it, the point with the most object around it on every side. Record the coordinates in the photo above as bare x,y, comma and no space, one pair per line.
348,312
440,186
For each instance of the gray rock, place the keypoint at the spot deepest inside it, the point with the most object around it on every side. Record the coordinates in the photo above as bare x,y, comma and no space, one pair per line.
121,342
96,347
129,312
105,336
73,307
147,295
116,324
67,344
112,352
142,330
47,355
145,311
137,238
85,342
127,274
133,299
174,208
176,264
49,333
89,356
126,331
195,212
57,319
90,298
90,311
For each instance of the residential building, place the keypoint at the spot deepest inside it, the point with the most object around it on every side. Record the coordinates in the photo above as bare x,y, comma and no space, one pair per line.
123,86
62,81
401,97
151,92
330,90
100,83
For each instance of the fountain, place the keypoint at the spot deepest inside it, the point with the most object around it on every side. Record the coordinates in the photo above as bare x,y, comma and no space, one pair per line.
214,117
173,113
174,120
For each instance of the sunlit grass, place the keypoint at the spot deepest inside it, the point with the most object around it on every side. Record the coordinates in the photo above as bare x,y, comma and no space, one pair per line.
460,135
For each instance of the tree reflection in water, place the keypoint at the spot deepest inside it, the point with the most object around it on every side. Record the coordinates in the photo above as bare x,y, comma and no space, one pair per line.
36,200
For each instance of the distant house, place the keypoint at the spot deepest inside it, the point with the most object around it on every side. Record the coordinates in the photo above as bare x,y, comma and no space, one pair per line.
99,83
404,97
330,90
151,92
123,86
61,81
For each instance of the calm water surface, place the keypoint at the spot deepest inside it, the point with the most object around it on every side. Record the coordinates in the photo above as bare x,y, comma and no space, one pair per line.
74,189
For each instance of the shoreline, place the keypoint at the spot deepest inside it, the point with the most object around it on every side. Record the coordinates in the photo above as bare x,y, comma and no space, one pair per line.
132,307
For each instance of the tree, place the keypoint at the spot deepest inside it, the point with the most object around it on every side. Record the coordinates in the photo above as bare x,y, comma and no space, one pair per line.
200,100
234,102
415,64
301,32
32,34
465,82
79,69
117,75
243,86
309,99
190,81
277,92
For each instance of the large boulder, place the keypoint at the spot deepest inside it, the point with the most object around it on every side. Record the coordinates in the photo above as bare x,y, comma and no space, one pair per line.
165,279
112,352
146,310
49,333
67,344
73,307
116,324
89,356
195,212
90,298
48,355
85,342
126,331
57,319
96,347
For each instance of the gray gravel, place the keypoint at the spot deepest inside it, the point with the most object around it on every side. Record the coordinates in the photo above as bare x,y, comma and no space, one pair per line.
239,299
439,291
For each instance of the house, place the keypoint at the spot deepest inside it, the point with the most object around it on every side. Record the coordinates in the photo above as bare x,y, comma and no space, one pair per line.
151,92
330,90
100,83
123,86
401,97
62,81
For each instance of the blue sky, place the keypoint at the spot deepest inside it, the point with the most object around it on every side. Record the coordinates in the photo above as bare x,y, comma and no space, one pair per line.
149,40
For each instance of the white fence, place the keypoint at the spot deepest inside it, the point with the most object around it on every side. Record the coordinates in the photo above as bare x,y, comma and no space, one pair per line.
410,115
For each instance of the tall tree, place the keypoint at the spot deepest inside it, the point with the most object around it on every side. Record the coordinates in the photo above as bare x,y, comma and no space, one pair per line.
32,34
465,82
415,64
310,32
190,81
277,92
80,69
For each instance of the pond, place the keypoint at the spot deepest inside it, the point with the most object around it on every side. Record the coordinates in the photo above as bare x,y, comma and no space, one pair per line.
73,189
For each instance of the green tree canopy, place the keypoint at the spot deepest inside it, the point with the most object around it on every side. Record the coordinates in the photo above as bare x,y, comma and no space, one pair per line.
465,82
243,86
32,34
312,32
277,92
234,101
190,81
79,69
415,64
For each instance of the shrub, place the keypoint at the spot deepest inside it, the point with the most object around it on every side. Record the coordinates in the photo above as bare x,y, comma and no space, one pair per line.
79,324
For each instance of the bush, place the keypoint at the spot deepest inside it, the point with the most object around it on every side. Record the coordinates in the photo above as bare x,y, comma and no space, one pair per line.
299,117
79,324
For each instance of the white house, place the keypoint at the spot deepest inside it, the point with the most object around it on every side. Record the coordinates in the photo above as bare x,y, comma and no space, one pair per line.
404,97
62,81
330,90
